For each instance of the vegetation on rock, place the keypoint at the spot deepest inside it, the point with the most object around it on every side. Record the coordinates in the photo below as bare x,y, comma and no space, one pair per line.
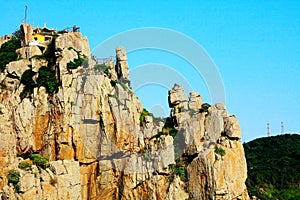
274,167
27,81
169,127
102,68
48,79
8,52
180,169
77,62
13,177
39,160
25,165
144,113
46,74
220,151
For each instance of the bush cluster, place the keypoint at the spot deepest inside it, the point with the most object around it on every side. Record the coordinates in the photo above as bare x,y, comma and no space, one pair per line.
76,63
41,161
47,78
220,151
102,68
8,52
46,74
13,177
27,81
25,165
144,113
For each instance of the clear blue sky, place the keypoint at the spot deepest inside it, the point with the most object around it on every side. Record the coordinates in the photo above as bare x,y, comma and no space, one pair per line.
255,45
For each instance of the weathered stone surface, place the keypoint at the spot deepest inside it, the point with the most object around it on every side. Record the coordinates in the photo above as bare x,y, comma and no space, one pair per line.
232,128
195,101
219,177
17,68
27,182
122,64
5,38
177,98
98,148
26,31
73,40
214,122
176,190
28,52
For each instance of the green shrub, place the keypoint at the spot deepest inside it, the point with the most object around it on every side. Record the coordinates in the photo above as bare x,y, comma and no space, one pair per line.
169,127
180,170
39,160
25,165
49,54
47,78
102,68
8,52
76,63
220,151
28,82
143,114
17,188
13,177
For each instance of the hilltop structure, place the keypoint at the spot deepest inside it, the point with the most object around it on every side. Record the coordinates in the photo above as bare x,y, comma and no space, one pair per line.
41,36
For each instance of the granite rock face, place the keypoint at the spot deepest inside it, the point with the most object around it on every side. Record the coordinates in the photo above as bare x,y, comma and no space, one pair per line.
212,137
100,143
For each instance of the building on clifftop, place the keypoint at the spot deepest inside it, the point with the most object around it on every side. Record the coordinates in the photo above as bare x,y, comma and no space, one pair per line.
36,36
41,36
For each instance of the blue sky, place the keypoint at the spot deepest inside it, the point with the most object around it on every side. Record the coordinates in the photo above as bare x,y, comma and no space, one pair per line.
254,44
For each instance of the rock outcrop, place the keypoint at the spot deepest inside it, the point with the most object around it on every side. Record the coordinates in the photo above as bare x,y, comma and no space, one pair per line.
100,142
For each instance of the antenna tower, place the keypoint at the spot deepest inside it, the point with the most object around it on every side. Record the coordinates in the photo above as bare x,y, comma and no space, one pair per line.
268,129
282,128
25,17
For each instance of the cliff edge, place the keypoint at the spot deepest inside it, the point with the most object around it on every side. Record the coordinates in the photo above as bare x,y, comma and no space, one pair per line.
72,128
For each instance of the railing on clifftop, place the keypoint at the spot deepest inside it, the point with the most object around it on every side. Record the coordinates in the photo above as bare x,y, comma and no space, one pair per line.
104,60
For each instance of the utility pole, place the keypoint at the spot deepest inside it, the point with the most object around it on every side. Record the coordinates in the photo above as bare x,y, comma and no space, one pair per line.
268,129
282,128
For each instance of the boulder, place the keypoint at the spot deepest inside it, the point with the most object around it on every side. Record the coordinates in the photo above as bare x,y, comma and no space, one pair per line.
17,68
122,65
195,101
232,127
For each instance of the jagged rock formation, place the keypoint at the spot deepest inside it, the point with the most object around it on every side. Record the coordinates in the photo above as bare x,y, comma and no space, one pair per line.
100,141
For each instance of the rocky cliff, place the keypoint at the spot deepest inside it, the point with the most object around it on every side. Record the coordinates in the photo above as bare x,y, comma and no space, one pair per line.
73,129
